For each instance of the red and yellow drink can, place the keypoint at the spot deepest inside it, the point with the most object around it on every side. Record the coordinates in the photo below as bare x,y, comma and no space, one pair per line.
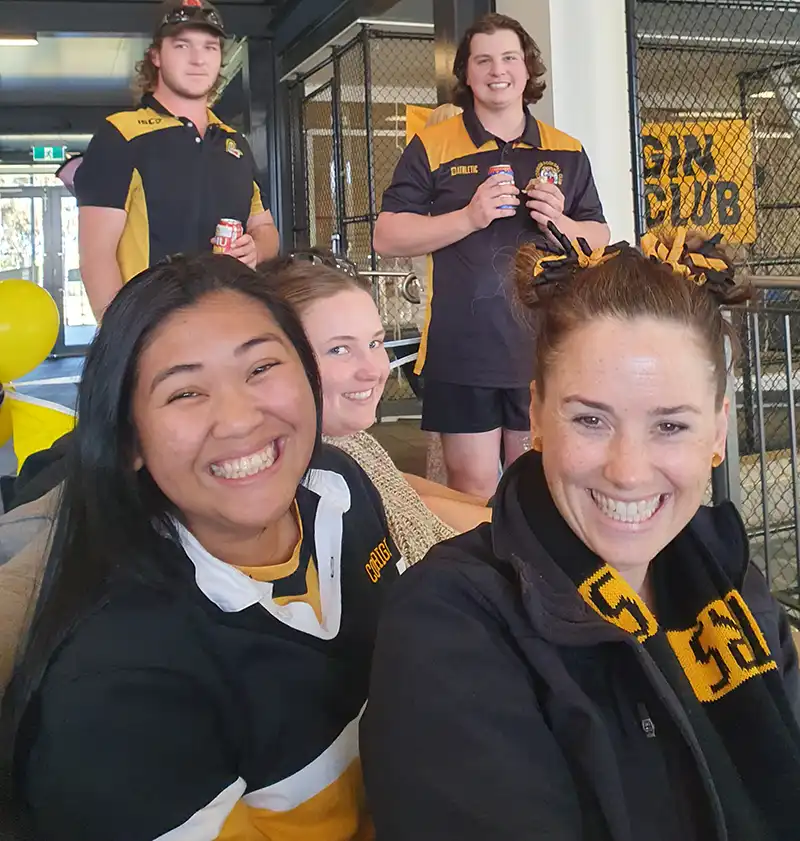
507,170
228,231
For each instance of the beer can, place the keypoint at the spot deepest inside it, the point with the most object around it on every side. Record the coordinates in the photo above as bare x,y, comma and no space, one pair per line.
503,169
228,231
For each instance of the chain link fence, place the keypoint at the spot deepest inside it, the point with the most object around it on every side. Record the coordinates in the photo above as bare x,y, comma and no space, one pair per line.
716,85
349,137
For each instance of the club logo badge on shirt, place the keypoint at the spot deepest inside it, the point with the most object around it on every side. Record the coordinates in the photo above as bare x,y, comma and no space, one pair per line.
232,149
548,172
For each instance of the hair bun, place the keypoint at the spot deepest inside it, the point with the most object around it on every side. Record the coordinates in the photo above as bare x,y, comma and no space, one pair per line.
530,293
539,275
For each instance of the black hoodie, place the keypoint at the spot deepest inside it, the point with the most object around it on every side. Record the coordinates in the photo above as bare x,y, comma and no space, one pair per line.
502,707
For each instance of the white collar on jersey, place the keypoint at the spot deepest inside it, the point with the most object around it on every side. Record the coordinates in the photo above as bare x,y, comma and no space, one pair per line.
233,591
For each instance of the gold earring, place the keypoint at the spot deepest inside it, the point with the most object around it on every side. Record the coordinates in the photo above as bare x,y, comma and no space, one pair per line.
536,444
716,460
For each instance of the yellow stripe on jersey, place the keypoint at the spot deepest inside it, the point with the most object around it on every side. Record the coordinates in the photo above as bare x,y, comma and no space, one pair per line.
256,202
133,250
449,141
213,119
337,813
423,342
275,572
131,124
311,596
553,140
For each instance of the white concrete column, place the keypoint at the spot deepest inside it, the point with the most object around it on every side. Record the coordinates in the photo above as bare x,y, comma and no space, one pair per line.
584,47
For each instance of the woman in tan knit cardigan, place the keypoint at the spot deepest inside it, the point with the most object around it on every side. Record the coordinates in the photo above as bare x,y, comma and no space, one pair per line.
345,330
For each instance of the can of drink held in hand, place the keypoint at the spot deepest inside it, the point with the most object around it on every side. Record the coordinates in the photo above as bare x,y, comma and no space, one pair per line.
503,169
228,231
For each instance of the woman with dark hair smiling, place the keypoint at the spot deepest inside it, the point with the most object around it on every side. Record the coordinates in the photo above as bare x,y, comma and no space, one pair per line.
603,662
199,654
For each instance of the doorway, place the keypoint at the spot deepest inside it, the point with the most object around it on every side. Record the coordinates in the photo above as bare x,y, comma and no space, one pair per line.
39,243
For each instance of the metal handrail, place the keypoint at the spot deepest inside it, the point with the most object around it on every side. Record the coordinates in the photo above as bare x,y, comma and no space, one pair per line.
408,279
388,274
759,281
756,389
775,282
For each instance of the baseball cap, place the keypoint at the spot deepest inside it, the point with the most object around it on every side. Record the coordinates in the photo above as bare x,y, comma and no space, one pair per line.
175,14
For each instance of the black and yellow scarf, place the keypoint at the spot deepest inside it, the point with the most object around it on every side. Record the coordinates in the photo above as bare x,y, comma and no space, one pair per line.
710,649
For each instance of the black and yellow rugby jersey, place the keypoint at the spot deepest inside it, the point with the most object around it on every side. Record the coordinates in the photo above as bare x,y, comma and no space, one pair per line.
471,335
231,711
288,587
174,185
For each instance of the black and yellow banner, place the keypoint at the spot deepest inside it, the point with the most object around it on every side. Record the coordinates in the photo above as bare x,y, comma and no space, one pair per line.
700,175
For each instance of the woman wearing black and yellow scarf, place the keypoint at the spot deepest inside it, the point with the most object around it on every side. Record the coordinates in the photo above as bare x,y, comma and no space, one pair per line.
602,662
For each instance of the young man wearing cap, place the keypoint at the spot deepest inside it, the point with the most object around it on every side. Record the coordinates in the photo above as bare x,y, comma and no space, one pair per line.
156,180
476,356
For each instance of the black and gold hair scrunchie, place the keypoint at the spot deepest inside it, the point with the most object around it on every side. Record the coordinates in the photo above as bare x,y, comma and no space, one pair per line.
701,266
559,268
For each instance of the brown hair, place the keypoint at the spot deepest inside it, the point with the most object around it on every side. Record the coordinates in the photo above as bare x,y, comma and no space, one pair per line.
487,25
146,73
145,77
302,283
629,286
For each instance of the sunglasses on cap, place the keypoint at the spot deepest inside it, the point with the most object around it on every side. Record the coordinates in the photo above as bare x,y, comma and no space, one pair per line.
192,14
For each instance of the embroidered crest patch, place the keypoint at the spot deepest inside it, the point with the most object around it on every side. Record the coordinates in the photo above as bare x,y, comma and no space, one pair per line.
232,149
549,172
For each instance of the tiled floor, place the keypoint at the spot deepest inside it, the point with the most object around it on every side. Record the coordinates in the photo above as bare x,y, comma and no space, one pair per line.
405,442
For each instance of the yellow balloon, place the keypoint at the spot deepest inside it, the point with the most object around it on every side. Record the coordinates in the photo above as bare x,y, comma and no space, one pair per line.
28,327
5,421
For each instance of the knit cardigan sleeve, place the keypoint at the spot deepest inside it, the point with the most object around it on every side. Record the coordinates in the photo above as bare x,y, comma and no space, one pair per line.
413,526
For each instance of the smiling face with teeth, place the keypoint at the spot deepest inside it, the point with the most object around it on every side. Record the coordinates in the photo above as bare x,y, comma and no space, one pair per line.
629,424
225,422
347,335
496,70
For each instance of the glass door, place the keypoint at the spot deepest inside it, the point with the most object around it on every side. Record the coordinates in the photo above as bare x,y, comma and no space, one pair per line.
22,248
79,325
39,242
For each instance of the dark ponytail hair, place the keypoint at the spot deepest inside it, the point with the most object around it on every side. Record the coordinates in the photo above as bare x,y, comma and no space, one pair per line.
112,518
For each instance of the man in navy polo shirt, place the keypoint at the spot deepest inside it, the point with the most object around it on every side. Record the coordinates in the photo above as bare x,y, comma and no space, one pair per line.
476,356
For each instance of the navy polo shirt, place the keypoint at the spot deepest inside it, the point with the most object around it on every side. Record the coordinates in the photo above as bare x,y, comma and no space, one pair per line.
174,184
472,335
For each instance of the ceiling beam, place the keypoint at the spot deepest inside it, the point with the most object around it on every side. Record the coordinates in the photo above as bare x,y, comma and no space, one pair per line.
318,22
21,17
86,119
53,119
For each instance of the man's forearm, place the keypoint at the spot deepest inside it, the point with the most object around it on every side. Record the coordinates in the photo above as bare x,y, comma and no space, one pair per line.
597,234
411,235
267,241
102,281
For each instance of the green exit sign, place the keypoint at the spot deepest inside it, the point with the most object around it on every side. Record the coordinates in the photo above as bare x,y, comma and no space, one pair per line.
49,154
